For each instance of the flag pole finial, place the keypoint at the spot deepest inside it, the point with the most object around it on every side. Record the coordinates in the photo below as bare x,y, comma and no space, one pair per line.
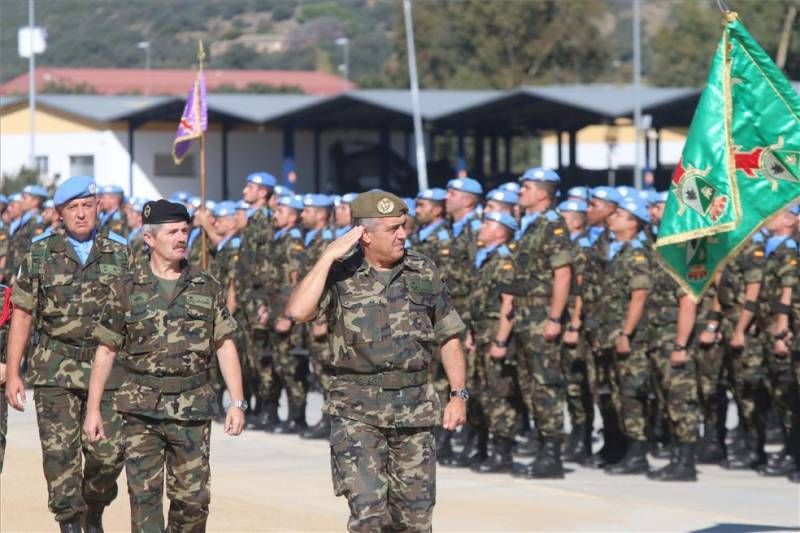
201,54
730,16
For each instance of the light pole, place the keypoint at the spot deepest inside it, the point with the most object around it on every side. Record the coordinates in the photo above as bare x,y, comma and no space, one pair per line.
145,45
344,68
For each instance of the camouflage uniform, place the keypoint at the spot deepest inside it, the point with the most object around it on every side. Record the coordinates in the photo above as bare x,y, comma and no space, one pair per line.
628,269
255,249
383,409
5,271
544,245
195,246
794,326
136,243
166,399
116,222
676,386
287,249
3,337
31,225
462,253
67,299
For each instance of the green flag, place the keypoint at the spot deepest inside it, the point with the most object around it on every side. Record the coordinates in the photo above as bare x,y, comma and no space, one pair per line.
740,164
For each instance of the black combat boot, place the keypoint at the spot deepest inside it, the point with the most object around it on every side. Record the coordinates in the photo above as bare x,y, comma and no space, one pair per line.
794,475
710,451
268,420
320,430
73,525
547,464
474,450
778,464
499,460
444,446
680,468
579,446
634,462
745,454
295,423
528,447
93,520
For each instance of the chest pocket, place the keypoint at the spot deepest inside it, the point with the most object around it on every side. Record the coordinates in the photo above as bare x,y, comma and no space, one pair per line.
59,287
364,317
421,309
198,325
143,329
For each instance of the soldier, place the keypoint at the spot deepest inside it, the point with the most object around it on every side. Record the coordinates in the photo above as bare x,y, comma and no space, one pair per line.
342,214
112,216
656,201
168,319
780,277
29,225
50,220
316,219
135,239
670,322
255,250
573,351
793,344
388,310
62,287
627,282
543,258
279,277
502,201
494,375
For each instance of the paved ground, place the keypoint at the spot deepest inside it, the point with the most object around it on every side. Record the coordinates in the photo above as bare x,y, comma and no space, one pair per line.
280,483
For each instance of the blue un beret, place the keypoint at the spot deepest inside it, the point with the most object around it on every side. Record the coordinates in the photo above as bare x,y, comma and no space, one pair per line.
609,194
111,189
511,186
466,185
262,178
35,190
636,208
540,174
317,200
242,205
795,209
178,196
573,206
626,192
581,193
348,198
75,187
411,206
3,199
435,194
295,202
225,209
501,195
503,218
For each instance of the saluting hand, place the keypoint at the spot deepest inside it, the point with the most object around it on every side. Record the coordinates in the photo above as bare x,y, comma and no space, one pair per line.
342,246
93,426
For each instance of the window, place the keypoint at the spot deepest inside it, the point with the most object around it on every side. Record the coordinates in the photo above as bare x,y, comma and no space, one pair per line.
42,165
81,165
165,166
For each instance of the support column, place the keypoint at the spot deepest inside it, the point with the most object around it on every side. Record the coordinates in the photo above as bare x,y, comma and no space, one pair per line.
508,142
559,150
131,157
493,159
658,149
407,145
317,176
225,185
461,160
573,154
477,167
384,151
647,142
288,153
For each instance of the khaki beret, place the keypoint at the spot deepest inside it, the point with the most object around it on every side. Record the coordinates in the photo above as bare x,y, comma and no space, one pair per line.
378,204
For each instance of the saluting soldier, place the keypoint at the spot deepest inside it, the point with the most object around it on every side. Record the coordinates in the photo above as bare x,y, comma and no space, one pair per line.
167,319
61,289
388,310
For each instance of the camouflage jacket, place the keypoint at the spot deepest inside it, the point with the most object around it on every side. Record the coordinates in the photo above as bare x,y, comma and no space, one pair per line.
5,270
136,243
255,248
115,222
746,267
543,247
390,329
160,338
780,271
794,317
224,264
20,241
287,253
314,245
462,251
593,276
491,279
628,269
661,315
67,299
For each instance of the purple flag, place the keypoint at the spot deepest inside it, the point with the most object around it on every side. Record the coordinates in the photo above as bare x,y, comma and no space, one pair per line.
194,120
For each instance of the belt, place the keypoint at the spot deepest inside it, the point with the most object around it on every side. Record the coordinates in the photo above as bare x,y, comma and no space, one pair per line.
394,380
171,384
528,301
83,353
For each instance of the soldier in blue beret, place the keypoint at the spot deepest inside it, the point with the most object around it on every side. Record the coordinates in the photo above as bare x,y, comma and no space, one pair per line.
343,214
578,193
29,224
61,288
501,200
112,216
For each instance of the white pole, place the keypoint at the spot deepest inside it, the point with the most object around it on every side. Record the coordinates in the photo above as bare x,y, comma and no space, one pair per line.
637,101
422,169
32,89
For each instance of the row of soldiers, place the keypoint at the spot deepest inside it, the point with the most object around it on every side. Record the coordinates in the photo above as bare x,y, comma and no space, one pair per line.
568,308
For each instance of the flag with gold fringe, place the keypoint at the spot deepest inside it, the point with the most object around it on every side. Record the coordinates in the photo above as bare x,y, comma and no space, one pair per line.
194,120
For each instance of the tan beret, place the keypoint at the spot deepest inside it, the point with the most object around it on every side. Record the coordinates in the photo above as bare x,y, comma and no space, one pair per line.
378,204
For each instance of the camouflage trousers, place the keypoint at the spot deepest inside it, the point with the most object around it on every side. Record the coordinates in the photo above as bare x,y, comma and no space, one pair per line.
388,475
630,387
59,414
184,448
676,391
746,368
319,354
3,425
494,388
713,403
268,387
576,376
541,378
291,370
781,386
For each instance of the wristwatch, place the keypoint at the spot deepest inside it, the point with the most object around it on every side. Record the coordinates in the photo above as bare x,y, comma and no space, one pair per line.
463,394
240,404
500,344
711,327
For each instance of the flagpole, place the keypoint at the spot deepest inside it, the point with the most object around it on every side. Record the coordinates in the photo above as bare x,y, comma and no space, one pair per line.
203,245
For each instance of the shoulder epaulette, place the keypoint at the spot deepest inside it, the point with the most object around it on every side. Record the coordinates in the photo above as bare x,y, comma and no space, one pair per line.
636,244
791,243
584,242
43,236
758,237
117,238
443,235
503,251
295,233
475,224
551,215
236,242
327,234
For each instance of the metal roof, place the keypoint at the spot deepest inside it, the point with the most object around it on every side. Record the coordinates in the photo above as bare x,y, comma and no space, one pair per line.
259,108
99,108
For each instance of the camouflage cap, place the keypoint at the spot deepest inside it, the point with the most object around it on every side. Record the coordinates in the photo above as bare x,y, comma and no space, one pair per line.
378,204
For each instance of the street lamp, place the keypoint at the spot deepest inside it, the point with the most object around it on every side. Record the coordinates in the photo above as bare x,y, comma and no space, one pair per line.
344,68
145,45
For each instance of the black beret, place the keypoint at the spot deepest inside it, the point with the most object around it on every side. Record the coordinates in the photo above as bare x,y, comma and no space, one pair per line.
162,211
